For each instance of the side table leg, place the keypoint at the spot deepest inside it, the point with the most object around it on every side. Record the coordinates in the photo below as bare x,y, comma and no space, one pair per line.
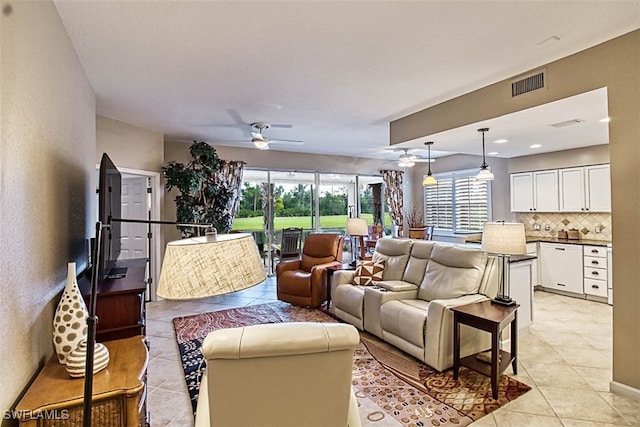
514,343
456,346
495,362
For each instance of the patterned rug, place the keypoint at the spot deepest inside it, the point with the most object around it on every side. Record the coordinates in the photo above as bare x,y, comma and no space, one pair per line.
393,388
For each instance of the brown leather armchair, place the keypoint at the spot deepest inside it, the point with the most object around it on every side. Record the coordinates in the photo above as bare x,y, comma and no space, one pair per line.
304,281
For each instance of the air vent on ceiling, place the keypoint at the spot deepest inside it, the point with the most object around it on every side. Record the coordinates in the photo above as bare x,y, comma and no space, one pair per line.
528,84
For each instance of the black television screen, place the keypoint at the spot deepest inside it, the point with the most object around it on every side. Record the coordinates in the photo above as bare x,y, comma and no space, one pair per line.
109,206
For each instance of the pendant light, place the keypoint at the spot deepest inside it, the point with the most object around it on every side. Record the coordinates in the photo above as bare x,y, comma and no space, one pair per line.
484,174
429,179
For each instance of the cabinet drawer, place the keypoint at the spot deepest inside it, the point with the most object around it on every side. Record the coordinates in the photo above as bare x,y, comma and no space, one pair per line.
595,273
595,287
595,262
596,251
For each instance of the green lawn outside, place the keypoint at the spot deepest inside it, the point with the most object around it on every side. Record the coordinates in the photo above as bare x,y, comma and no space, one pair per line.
327,222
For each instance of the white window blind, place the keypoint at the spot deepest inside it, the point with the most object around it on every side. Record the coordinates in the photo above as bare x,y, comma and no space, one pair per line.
458,202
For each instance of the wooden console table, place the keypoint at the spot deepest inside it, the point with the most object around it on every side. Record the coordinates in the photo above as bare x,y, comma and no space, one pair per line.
493,318
119,391
120,307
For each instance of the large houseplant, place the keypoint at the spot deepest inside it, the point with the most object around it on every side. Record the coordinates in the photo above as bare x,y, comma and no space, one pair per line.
205,194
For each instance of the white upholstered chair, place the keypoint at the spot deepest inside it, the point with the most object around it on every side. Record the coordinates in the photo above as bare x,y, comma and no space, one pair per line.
279,374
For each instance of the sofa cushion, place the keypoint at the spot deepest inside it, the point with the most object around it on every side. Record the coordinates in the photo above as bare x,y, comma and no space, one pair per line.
395,253
368,272
417,264
405,319
452,272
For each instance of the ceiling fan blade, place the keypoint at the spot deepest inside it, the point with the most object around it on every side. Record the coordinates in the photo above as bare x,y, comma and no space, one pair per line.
286,141
283,126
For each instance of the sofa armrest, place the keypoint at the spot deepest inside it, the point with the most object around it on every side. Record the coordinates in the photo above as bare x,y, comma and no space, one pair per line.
439,332
343,277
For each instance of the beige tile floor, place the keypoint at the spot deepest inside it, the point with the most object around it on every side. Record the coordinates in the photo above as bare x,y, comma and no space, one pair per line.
565,358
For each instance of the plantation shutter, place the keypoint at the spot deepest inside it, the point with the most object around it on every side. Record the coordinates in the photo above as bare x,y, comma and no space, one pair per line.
471,204
457,202
439,204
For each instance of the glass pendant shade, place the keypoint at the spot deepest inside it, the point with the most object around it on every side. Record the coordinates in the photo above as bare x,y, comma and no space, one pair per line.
484,174
429,180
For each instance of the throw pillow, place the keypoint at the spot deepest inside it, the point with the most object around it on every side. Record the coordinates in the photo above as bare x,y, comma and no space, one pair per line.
368,272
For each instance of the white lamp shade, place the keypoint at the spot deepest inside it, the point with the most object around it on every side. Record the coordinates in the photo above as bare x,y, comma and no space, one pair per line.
505,238
484,175
197,268
357,227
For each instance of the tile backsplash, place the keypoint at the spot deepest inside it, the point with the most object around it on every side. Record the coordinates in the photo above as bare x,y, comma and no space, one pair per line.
586,223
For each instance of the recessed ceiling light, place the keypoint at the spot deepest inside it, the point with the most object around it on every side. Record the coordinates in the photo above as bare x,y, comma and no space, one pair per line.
500,141
493,153
605,120
535,146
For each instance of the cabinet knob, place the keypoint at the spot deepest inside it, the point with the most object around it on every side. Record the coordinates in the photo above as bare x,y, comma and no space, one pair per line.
595,273
559,249
594,262
595,251
561,284
595,286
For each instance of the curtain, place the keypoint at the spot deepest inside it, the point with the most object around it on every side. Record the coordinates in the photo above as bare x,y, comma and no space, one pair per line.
393,194
229,178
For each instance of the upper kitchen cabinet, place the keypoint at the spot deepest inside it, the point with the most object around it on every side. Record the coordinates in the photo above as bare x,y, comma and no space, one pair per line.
585,189
535,191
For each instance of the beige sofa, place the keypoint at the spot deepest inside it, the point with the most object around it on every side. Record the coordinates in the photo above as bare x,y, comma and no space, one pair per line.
410,307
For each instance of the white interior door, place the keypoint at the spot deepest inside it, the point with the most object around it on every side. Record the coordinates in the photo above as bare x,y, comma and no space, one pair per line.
134,242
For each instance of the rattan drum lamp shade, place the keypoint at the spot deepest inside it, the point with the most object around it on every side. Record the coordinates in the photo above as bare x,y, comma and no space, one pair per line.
197,268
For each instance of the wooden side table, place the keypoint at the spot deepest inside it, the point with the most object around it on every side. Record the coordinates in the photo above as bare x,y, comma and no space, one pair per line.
119,391
492,318
330,271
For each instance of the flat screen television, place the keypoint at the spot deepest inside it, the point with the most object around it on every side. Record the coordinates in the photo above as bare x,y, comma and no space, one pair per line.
109,206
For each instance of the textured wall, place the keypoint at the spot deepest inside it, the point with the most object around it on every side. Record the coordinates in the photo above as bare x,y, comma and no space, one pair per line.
586,223
47,183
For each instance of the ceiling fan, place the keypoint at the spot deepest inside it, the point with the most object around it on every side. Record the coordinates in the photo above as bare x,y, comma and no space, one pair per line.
407,160
262,142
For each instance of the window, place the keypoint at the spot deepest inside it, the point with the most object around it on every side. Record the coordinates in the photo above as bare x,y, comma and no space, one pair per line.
458,202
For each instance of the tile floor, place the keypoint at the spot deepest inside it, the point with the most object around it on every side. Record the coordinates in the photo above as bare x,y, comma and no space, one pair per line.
565,358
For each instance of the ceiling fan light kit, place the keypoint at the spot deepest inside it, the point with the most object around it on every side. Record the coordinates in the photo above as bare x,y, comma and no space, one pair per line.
429,179
484,174
261,142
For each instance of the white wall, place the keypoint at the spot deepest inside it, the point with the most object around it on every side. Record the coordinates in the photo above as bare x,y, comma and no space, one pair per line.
47,183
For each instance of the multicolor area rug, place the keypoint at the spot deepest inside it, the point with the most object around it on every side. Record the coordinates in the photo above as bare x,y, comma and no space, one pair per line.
393,389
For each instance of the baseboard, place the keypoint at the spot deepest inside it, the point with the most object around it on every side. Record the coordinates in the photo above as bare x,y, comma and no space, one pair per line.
624,390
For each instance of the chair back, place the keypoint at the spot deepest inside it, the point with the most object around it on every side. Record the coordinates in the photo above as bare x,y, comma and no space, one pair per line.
290,247
321,248
428,232
279,374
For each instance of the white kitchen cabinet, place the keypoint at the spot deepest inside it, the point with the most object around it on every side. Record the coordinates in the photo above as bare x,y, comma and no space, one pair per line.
585,189
532,249
595,271
534,191
560,267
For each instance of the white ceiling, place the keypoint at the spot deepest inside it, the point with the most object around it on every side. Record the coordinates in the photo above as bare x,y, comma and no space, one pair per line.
337,71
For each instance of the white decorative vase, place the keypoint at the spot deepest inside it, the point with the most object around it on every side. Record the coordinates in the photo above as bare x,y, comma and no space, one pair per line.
76,360
70,320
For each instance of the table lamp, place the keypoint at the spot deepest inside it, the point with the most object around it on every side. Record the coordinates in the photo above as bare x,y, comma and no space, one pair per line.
504,239
357,227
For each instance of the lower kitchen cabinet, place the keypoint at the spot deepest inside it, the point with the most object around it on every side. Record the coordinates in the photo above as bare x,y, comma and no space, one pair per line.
561,267
521,275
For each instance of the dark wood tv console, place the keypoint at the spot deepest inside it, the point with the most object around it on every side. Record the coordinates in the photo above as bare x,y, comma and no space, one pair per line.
120,306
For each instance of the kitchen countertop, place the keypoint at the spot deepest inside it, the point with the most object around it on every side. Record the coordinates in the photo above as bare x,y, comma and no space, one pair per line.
533,239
